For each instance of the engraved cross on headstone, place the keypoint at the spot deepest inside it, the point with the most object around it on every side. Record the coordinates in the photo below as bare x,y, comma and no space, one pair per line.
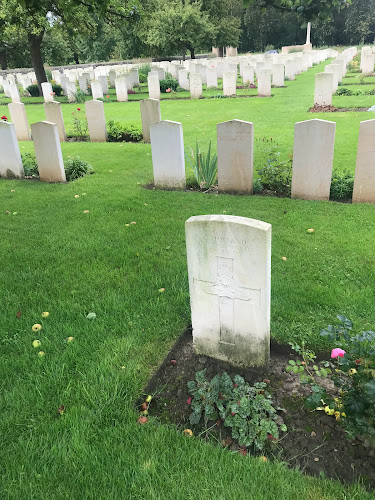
228,291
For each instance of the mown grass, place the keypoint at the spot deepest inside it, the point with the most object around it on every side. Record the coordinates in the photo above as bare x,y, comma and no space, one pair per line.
59,259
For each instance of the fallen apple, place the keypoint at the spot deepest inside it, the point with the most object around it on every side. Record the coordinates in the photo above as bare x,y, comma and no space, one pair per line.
148,399
142,420
36,343
41,354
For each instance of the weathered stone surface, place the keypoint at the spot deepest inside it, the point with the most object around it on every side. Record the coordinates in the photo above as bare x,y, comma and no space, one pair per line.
47,92
71,90
235,145
10,158
19,119
278,75
248,74
229,264
364,180
96,121
54,115
103,80
121,89
314,142
48,152
96,89
168,159
150,113
211,74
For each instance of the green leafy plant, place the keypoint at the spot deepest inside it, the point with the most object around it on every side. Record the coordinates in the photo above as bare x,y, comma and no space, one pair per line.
246,409
30,166
204,166
275,174
57,89
341,185
80,96
33,90
117,132
75,167
79,127
168,83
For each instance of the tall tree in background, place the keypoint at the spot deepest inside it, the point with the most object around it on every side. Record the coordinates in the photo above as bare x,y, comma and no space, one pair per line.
226,17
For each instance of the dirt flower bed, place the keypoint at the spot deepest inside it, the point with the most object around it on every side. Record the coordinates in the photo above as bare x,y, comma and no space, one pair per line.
314,442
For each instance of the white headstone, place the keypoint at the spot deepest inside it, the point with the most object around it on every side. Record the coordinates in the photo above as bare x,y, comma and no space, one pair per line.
48,152
229,83
364,180
229,265
83,84
121,89
96,121
235,145
211,74
150,113
278,75
103,80
19,119
264,83
153,86
14,94
168,159
183,80
248,74
96,89
47,92
10,158
323,89
71,91
54,115
195,85
314,142
63,82
335,70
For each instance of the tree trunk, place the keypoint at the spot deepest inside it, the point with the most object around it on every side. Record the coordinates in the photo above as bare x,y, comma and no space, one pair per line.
183,52
192,52
221,51
3,58
76,58
35,42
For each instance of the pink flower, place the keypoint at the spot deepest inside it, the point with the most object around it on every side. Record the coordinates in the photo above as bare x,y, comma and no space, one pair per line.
4,117
337,353
189,400
107,96
168,90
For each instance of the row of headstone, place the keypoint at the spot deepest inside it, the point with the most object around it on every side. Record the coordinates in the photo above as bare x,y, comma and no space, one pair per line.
312,158
327,83
94,113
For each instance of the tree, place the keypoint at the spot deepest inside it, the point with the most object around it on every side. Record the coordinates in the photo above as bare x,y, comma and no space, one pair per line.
35,16
226,17
176,26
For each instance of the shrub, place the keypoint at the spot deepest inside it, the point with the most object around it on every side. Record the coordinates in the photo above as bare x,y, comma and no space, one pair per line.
204,167
168,83
80,96
75,168
351,370
29,165
80,127
57,89
275,175
33,90
257,186
341,185
246,409
122,133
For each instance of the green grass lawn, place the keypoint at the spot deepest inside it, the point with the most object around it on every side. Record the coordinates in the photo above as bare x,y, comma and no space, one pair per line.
59,259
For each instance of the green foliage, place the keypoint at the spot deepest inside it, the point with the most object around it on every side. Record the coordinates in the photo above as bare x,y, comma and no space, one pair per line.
204,166
257,186
117,132
30,166
33,90
169,83
57,89
80,127
246,409
341,185
274,174
75,167
80,96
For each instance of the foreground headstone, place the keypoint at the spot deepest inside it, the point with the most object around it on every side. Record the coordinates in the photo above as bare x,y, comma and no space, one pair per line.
364,180
121,89
54,115
314,142
150,113
10,158
323,89
235,144
195,85
96,121
14,93
19,119
168,159
229,264
48,152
